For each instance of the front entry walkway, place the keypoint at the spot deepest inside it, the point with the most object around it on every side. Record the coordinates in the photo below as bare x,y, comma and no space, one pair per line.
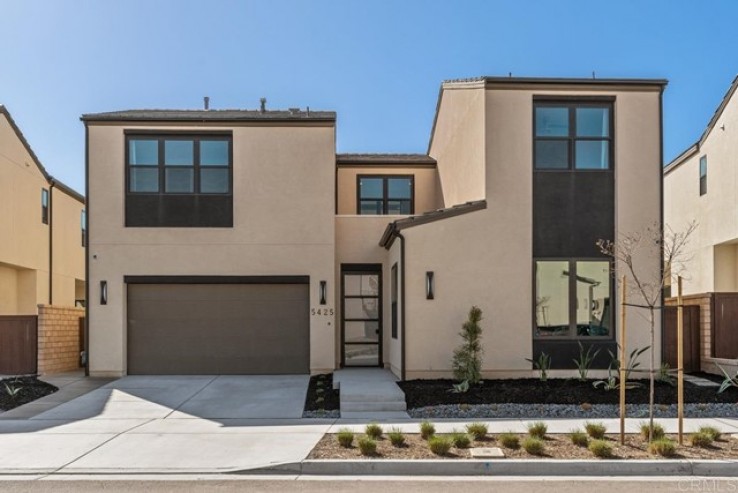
370,393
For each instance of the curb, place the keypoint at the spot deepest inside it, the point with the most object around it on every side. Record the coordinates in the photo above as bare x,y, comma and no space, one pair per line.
505,467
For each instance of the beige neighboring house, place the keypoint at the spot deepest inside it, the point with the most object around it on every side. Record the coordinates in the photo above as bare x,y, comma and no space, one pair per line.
42,252
701,185
239,241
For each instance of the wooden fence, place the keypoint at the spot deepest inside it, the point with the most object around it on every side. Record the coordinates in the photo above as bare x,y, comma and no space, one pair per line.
691,338
18,344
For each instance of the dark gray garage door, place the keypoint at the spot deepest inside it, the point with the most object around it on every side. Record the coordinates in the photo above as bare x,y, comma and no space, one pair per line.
191,329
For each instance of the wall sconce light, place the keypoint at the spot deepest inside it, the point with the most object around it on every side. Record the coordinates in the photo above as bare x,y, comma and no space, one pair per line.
103,292
323,290
430,287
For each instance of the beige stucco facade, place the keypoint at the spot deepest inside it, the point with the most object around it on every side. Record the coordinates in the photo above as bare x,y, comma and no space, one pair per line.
30,248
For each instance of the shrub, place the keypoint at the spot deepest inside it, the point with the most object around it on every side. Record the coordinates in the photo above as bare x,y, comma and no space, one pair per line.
663,447
467,360
537,429
345,438
461,440
373,430
477,430
579,438
439,445
595,430
397,438
509,440
534,446
600,448
700,440
658,431
427,430
713,432
368,446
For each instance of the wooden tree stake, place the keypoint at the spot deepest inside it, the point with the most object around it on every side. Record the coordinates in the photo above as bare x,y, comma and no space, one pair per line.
680,361
623,363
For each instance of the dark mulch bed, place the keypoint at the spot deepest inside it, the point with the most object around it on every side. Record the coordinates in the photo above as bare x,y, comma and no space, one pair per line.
31,389
322,386
421,393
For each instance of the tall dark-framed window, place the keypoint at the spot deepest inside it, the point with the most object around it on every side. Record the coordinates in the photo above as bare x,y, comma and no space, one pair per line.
703,175
393,300
573,135
45,206
179,179
573,298
385,194
83,226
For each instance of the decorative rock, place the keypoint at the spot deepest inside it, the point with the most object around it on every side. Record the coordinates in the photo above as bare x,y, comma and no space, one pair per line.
487,453
734,436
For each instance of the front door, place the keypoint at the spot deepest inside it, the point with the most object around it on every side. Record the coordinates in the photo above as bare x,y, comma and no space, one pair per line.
361,315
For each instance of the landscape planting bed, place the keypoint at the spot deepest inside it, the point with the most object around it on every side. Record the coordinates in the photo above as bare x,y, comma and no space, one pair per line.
321,400
31,388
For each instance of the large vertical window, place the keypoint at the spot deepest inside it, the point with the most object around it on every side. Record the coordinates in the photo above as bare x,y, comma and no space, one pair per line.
572,136
393,301
83,227
378,195
703,175
44,206
573,298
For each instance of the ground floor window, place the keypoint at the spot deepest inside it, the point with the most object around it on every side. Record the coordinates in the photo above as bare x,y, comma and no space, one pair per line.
572,298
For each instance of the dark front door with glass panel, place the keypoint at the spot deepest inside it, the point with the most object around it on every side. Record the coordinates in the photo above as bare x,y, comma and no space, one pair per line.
361,315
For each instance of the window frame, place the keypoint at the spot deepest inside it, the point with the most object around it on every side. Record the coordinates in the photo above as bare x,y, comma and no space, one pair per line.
161,166
572,294
45,200
572,104
703,177
385,190
394,288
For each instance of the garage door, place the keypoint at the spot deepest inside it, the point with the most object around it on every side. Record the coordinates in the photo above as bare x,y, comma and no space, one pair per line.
201,329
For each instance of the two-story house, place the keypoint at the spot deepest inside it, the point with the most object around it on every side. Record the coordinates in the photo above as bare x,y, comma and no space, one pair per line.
236,241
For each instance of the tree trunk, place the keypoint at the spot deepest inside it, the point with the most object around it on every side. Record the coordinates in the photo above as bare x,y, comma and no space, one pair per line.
652,380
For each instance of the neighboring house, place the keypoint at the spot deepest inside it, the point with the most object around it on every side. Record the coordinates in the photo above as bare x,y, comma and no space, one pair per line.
42,261
234,241
42,230
701,185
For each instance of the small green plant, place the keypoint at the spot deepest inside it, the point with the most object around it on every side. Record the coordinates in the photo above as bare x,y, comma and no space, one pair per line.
427,430
665,376
509,440
345,438
460,388
700,440
613,370
461,440
579,438
467,360
595,430
542,364
713,432
537,429
439,445
396,437
319,400
585,360
728,382
319,391
600,448
663,447
477,430
367,446
13,390
658,432
373,430
534,446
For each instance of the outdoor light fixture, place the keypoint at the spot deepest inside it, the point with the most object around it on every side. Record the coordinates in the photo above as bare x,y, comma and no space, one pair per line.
322,292
103,292
430,287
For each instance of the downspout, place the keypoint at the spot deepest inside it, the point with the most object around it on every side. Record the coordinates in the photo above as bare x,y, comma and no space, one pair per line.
51,240
402,311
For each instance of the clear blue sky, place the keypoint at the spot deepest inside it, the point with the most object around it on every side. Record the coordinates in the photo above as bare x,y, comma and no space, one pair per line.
377,63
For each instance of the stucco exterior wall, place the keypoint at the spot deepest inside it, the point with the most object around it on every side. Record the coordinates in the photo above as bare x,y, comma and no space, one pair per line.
283,179
69,254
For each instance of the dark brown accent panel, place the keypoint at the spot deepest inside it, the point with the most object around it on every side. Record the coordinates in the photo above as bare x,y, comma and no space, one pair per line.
212,329
18,345
571,211
725,325
186,210
564,352
691,339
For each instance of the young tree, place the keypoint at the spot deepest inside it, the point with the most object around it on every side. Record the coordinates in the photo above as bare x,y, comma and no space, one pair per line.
467,362
633,254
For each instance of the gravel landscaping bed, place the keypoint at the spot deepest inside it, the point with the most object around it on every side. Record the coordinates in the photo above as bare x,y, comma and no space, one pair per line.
31,388
321,401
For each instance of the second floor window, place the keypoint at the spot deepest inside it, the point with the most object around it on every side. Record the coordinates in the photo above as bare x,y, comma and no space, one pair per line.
390,195
703,175
44,206
572,136
83,226
179,164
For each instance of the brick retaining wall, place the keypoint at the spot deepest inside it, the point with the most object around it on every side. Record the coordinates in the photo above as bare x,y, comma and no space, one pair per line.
58,338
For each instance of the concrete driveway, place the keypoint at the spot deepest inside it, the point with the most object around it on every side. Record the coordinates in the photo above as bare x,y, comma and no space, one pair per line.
166,424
